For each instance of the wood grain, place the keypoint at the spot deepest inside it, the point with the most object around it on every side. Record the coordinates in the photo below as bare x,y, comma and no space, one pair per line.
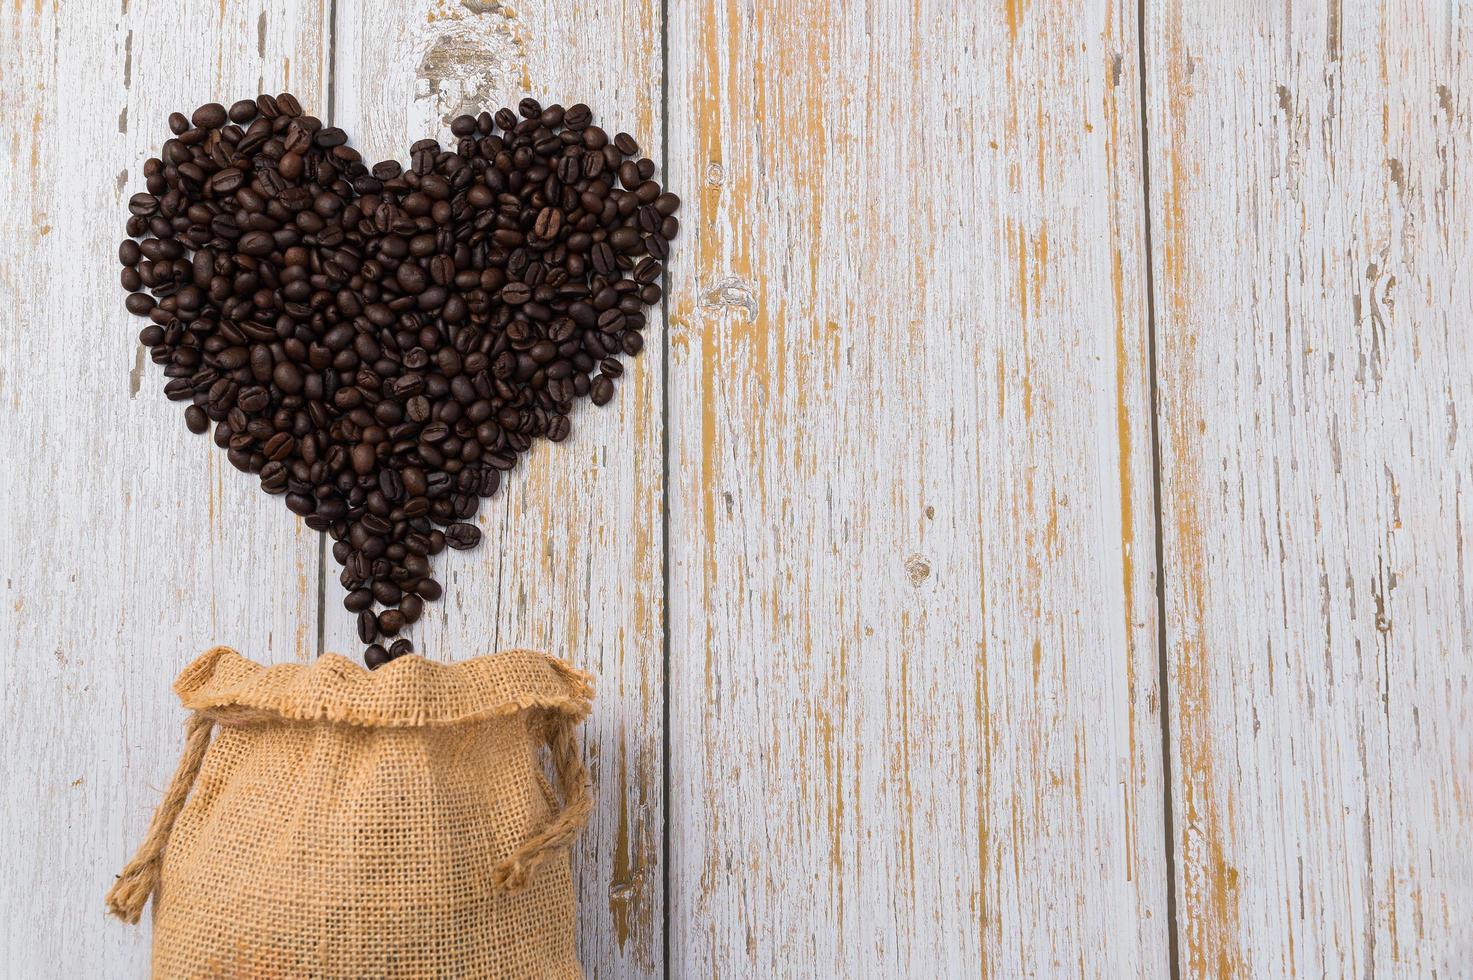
913,696
915,723
571,559
1312,213
130,545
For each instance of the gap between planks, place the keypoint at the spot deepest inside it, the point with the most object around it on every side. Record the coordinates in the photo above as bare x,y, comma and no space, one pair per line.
1162,648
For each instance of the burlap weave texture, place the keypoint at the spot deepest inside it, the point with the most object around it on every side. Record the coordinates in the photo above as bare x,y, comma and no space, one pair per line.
353,823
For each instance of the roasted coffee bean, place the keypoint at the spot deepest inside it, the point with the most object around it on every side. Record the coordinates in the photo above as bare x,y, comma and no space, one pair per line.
577,117
196,419
243,111
367,626
211,115
461,536
390,622
379,345
375,656
140,304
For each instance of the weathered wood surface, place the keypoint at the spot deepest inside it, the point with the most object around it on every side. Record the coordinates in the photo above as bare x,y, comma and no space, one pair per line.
909,532
129,544
570,561
1312,222
913,698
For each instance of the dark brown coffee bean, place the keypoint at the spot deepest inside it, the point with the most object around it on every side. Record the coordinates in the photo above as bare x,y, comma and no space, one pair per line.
364,459
577,117
211,115
367,626
242,112
461,536
549,223
140,304
375,656
196,419
390,622
604,259
626,240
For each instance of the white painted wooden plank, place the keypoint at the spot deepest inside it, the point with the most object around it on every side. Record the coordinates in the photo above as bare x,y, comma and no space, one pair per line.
130,545
572,554
1312,213
913,683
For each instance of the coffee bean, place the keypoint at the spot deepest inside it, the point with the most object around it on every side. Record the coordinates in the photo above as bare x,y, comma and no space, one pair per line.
257,244
461,536
367,626
390,622
549,223
379,345
196,419
375,656
401,647
211,115
626,240
242,112
577,117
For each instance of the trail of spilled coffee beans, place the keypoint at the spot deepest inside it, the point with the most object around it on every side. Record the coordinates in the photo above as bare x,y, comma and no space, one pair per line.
380,344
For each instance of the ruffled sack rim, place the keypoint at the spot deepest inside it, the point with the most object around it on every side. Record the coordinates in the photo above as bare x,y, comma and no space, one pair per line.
407,692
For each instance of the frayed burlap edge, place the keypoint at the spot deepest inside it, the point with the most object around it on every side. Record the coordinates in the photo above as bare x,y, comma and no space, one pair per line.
407,692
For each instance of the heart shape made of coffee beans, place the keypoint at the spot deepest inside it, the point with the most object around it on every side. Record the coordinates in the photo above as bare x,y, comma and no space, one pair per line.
379,345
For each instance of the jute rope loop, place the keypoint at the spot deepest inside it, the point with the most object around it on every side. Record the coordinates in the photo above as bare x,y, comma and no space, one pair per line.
514,871
140,878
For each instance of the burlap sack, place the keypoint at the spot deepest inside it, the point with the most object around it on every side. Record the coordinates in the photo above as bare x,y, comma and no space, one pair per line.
355,823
